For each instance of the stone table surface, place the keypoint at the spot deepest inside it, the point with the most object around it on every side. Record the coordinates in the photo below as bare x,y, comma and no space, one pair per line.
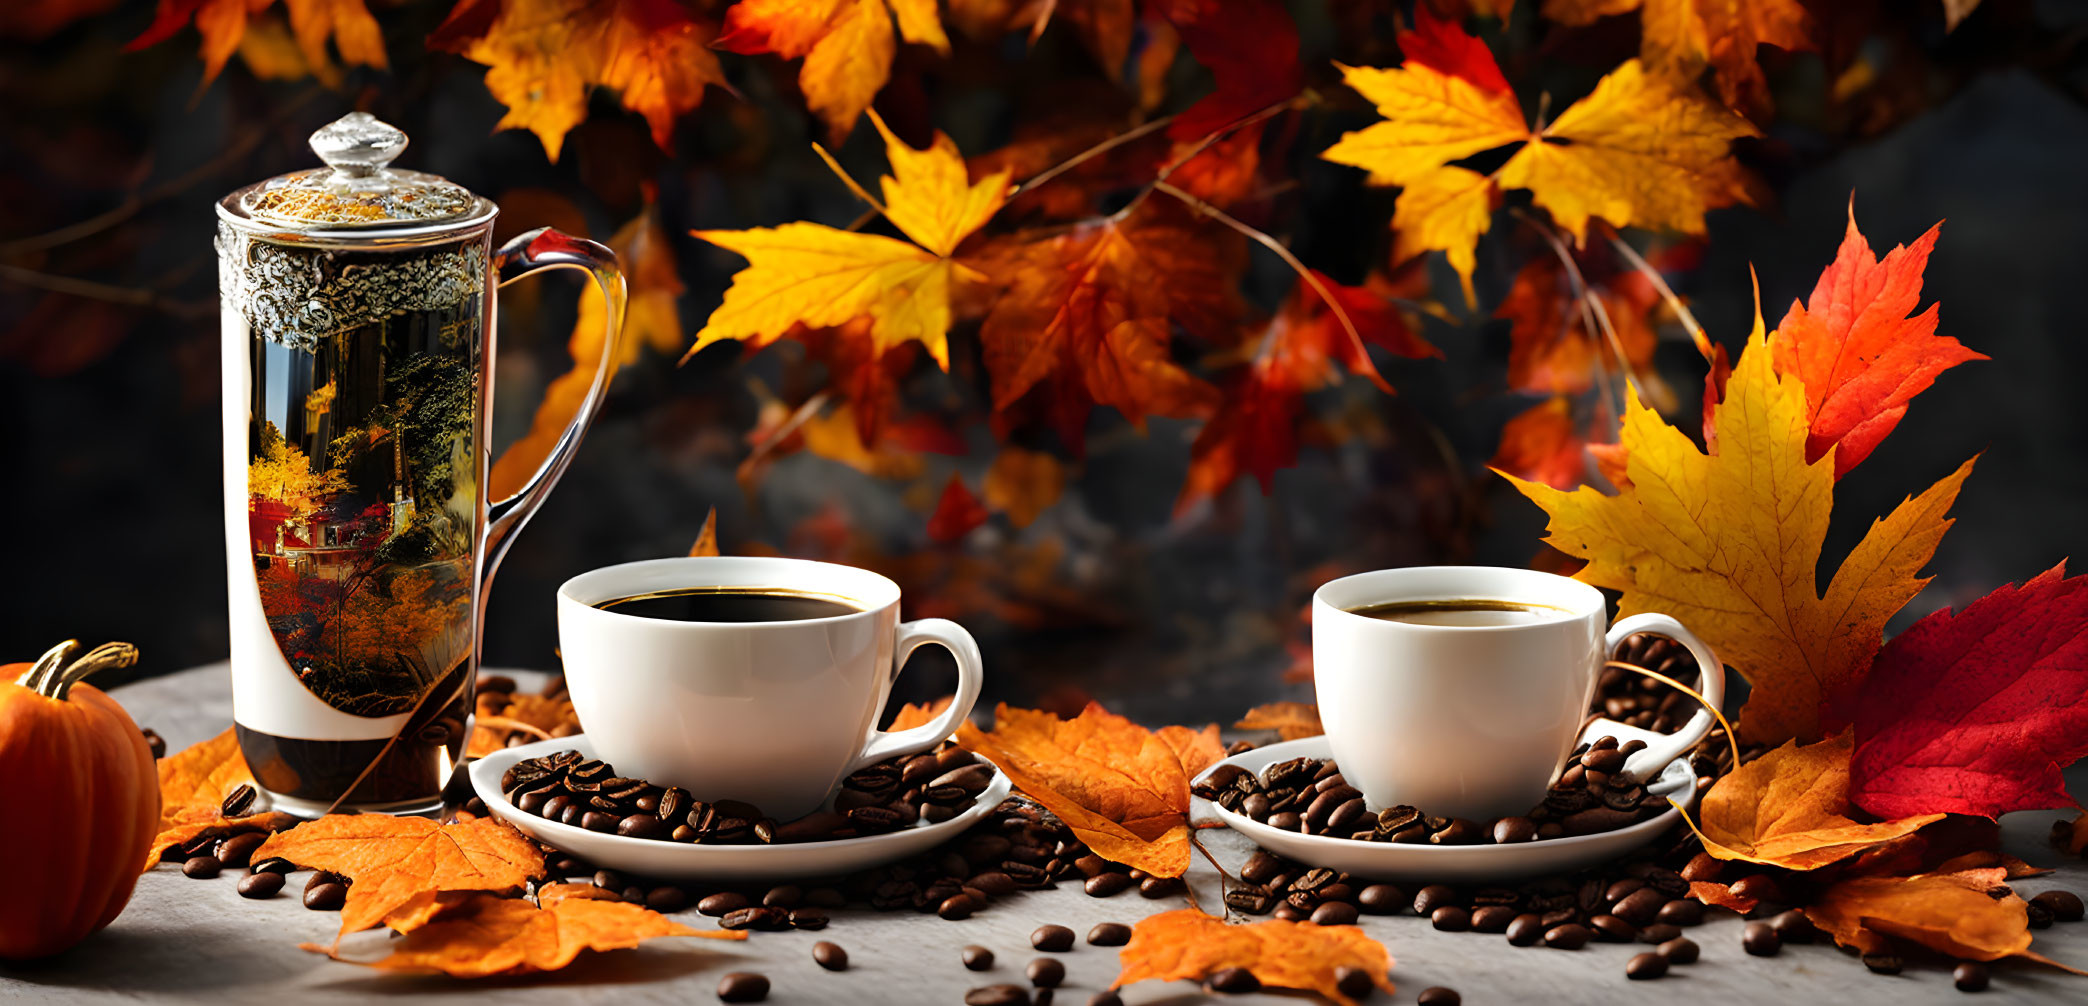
190,940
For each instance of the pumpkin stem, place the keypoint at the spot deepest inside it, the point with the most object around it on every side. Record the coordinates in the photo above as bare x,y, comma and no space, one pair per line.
39,672
103,656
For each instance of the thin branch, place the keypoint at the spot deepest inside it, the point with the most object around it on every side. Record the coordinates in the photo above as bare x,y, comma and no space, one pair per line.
789,425
1289,259
1089,154
107,292
1214,136
1667,293
1595,316
846,180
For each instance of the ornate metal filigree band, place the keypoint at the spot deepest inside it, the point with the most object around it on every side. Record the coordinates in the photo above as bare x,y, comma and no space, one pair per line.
297,295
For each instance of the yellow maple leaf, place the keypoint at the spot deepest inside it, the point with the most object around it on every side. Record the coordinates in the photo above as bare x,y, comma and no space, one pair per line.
1681,37
821,277
1729,543
847,46
223,25
1431,119
542,57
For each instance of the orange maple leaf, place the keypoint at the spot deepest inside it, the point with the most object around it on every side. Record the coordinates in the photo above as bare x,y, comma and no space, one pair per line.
1730,544
1682,37
1091,309
815,276
223,23
1187,944
1965,914
1641,150
1119,787
1196,749
399,865
1552,347
1861,356
190,823
1290,720
847,46
1542,444
918,714
194,781
707,538
1789,808
651,320
543,56
480,935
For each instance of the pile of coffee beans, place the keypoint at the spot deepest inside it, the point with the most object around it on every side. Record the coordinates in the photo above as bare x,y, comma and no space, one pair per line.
887,796
1308,795
1639,701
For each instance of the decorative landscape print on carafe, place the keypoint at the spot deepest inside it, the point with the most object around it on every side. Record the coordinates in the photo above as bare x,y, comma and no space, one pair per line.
358,317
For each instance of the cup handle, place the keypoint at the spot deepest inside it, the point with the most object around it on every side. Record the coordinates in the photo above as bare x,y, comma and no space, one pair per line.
1661,749
970,676
530,253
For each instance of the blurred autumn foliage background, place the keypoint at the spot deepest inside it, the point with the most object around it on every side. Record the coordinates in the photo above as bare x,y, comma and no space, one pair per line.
1151,438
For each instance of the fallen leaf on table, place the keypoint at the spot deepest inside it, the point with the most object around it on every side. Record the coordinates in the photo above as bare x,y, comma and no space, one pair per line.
916,714
1861,356
198,777
818,276
1290,720
400,864
707,538
484,935
551,894
847,46
1119,787
1187,944
1955,914
191,823
1197,749
1977,711
1729,543
1789,808
1712,892
957,513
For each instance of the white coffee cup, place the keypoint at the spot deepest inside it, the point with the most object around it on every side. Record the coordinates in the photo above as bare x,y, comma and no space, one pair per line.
772,713
1474,721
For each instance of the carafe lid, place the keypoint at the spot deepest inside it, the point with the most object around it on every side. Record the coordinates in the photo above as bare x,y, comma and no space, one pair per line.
356,191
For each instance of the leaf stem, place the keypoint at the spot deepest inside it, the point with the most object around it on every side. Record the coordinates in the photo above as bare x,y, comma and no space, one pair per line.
860,192
1667,293
1089,154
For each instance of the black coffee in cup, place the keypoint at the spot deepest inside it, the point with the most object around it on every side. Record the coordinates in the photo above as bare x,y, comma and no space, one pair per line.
1465,612
731,604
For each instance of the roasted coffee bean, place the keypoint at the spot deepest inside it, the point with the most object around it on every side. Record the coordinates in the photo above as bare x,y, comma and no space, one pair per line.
784,896
1641,907
1560,917
1054,939
722,903
325,897
1622,889
1571,936
154,741
743,987
1249,899
1353,982
1109,934
1659,932
2040,916
238,802
1525,929
1432,897
273,864
1458,831
808,918
978,958
1703,866
1761,939
1681,912
260,885
956,906
641,826
595,820
667,899
1492,918
1260,867
1611,929
1159,887
1104,885
1450,919
1439,995
997,995
1510,830
1970,976
1604,760
2065,906
1794,927
830,956
759,917
1758,887
1232,981
1884,964
1337,913
1046,973
1679,950
1382,899
238,850
1645,967
201,867
1287,821
1291,913
973,779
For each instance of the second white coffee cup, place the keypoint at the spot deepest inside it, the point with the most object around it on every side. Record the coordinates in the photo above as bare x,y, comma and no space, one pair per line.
1473,721
772,713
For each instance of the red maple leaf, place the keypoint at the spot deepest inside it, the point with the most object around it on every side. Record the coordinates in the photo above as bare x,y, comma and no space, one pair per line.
1976,712
1543,445
1861,356
956,514
1441,44
1251,49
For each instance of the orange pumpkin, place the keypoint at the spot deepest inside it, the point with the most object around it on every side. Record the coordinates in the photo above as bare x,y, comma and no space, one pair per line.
81,798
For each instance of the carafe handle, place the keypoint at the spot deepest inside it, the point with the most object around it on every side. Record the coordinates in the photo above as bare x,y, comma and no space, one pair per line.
530,253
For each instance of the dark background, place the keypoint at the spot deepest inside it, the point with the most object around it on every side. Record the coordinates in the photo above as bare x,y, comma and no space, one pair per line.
108,383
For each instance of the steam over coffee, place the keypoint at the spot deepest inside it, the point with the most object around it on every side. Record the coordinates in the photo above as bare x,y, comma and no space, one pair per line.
730,604
1464,612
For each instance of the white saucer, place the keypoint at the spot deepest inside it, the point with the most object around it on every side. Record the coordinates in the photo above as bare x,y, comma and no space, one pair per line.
1466,864
649,857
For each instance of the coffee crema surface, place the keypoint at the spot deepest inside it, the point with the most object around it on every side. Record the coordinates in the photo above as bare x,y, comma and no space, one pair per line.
730,604
1467,612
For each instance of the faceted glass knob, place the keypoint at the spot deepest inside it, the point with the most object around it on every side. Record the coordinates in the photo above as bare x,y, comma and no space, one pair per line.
358,144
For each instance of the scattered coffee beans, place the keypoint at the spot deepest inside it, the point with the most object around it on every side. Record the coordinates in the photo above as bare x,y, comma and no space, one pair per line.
1761,939
1971,976
1052,939
978,958
1679,950
1109,934
1883,964
201,867
1644,967
260,885
1046,973
1570,936
997,995
1232,981
325,897
743,987
1353,982
830,956
2064,906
